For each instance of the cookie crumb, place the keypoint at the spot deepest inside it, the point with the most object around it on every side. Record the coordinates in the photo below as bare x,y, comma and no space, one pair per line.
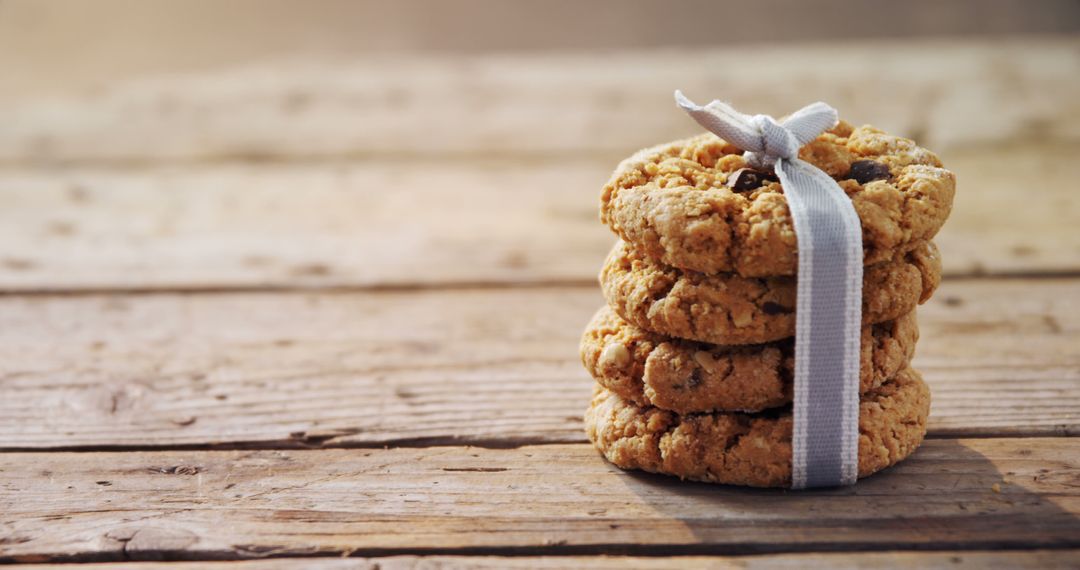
741,317
996,487
614,355
705,360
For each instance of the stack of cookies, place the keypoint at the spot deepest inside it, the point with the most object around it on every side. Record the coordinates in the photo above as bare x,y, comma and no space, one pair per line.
694,352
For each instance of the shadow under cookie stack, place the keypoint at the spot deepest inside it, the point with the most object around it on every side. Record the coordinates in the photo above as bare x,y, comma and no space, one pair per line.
694,353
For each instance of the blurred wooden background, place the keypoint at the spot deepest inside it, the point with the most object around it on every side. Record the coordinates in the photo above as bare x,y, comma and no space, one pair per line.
57,46
305,279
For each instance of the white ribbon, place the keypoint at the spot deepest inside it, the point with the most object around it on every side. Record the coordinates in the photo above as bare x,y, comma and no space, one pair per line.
828,311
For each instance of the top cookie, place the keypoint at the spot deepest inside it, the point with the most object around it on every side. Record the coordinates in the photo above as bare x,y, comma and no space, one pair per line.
689,203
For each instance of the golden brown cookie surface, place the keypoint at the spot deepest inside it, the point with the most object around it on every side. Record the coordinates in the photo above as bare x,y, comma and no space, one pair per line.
729,310
648,369
750,449
690,204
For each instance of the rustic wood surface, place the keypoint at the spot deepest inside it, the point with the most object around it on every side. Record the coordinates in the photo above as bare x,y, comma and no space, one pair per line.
475,366
302,310
981,493
378,151
381,222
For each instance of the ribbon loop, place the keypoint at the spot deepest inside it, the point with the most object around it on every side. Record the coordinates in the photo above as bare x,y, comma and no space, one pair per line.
828,310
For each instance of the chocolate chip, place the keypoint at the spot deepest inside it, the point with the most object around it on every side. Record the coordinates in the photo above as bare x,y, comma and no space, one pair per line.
747,179
695,379
771,308
864,171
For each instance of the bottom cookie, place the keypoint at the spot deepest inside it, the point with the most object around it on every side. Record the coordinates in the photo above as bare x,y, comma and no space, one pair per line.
751,449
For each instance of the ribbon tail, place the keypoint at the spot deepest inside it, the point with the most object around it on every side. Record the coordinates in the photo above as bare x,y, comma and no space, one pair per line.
828,313
724,121
828,321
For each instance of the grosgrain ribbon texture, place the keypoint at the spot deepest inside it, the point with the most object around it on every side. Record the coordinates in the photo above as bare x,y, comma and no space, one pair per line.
828,310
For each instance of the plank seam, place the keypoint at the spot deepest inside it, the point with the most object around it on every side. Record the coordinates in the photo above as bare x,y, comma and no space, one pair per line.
1047,275
249,552
318,443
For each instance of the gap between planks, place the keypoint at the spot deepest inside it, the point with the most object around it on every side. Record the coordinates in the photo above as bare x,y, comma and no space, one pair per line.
953,560
430,443
449,286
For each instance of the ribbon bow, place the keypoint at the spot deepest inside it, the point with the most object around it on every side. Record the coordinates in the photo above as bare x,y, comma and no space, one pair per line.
764,139
828,310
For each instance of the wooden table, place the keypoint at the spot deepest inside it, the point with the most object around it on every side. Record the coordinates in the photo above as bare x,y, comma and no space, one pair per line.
331,309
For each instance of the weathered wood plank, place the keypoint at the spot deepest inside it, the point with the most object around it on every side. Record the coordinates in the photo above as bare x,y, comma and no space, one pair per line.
948,93
430,222
992,230
354,224
971,494
486,366
1001,350
377,367
954,559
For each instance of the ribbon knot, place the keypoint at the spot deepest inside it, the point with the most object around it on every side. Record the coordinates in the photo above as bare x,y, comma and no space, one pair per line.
828,307
764,139
776,141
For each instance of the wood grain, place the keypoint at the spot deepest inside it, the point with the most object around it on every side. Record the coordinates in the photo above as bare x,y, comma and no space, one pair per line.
489,367
315,309
998,350
945,93
955,559
353,224
428,223
560,498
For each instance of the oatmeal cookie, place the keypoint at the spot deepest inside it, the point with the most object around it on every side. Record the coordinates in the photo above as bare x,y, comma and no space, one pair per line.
750,449
694,203
727,309
684,376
